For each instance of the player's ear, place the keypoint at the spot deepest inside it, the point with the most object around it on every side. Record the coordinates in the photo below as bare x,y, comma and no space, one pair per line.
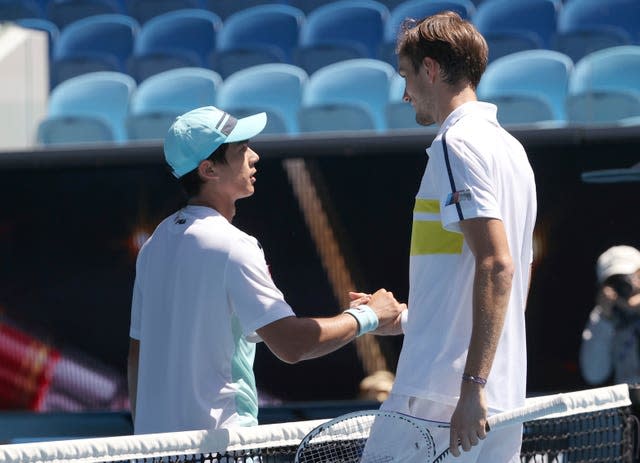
430,67
207,170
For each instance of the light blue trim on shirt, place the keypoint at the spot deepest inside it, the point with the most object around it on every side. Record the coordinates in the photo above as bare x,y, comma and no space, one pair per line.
243,377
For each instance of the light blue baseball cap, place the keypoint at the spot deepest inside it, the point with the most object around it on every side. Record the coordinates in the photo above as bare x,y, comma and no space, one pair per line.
196,134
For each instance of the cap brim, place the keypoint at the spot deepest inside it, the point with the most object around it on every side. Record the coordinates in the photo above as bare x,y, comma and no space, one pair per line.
247,127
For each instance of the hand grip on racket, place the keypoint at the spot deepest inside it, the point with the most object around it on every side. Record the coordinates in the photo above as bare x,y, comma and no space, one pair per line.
377,436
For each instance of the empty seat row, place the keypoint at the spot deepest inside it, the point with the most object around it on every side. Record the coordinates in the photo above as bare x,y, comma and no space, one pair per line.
344,29
575,27
109,106
63,12
545,87
531,87
195,37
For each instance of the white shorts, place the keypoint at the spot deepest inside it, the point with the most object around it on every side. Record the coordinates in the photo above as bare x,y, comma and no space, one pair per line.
500,446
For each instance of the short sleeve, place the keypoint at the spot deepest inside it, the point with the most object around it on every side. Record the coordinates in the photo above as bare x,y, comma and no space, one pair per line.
466,190
252,293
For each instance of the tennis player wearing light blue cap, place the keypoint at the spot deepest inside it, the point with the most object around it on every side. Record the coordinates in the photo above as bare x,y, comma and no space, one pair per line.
203,295
195,135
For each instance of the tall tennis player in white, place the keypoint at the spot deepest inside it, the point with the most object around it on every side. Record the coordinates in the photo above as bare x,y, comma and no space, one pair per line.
464,352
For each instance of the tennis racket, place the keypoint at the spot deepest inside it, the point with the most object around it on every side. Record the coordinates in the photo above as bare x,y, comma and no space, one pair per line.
378,436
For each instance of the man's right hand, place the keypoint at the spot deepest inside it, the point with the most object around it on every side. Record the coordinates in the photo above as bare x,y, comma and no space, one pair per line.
606,300
388,310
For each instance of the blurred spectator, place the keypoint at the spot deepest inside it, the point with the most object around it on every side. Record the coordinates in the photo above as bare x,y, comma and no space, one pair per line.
376,386
36,375
611,338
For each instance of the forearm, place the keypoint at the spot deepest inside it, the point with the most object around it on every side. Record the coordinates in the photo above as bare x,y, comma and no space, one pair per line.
334,333
295,339
492,282
491,291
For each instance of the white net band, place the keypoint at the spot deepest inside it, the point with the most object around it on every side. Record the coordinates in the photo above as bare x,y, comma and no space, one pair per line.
158,445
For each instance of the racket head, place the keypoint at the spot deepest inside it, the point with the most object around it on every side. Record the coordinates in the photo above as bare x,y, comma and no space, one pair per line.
372,436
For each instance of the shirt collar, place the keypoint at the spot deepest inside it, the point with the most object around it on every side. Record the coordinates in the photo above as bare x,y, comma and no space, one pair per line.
200,212
486,110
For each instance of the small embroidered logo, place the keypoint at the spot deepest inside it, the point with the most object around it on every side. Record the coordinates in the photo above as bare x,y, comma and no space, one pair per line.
458,196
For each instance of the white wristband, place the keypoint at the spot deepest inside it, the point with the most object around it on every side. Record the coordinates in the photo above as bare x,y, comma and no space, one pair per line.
366,318
404,317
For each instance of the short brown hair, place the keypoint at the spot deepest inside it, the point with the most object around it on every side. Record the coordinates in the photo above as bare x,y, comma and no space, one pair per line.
455,44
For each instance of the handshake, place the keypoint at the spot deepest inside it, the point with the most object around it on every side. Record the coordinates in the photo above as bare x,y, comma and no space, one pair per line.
391,314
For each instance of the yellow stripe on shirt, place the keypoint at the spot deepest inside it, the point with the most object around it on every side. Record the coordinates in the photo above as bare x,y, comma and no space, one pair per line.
428,237
429,206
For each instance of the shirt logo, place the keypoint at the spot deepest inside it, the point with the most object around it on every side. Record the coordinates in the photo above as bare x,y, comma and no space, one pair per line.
457,197
179,220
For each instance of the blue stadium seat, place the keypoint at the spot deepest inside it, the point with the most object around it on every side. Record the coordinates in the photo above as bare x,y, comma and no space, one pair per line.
97,43
44,25
261,34
274,88
585,26
341,30
17,9
417,9
392,4
603,107
399,114
332,118
307,6
357,89
159,99
97,95
605,86
510,26
144,10
528,86
225,8
524,109
616,68
73,129
151,126
175,39
141,67
578,43
630,122
318,56
64,12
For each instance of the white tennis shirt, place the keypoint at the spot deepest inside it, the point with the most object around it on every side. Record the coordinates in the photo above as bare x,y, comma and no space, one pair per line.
202,286
475,169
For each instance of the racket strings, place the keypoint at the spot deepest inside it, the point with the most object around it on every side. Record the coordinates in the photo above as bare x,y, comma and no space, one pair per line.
372,438
341,442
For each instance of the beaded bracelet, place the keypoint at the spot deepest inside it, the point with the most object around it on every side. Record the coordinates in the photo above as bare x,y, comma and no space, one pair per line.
474,379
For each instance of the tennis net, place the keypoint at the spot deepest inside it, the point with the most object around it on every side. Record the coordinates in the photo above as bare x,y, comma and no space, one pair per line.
600,436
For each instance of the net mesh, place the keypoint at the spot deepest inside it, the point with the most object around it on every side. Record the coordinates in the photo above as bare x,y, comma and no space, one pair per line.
601,436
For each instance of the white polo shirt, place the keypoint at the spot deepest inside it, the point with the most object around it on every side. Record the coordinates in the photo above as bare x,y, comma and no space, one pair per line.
202,286
475,169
